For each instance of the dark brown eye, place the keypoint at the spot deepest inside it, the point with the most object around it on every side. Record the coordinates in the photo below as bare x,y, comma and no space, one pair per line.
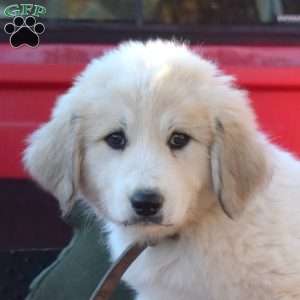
116,140
178,140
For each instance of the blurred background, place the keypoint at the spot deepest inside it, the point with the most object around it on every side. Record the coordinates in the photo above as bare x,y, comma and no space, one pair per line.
214,12
161,15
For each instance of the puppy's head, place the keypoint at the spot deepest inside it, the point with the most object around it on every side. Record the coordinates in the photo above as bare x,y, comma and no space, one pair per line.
151,136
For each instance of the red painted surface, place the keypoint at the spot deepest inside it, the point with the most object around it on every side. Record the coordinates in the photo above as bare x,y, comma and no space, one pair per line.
31,79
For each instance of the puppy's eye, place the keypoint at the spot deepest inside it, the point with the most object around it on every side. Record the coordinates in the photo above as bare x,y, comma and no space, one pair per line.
178,140
116,140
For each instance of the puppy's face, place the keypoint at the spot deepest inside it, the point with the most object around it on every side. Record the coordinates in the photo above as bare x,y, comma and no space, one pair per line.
151,136
147,152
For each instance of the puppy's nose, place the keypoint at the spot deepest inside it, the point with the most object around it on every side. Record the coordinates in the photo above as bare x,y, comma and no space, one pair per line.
146,202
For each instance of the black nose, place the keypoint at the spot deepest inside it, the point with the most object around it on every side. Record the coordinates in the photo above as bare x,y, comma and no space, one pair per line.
146,202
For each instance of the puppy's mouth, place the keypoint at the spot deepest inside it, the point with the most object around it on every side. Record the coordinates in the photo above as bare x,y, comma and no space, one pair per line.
156,221
147,221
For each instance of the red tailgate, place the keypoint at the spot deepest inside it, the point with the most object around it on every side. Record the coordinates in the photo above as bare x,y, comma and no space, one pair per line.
31,79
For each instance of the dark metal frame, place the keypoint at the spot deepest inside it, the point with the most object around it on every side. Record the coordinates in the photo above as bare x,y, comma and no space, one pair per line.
67,31
88,31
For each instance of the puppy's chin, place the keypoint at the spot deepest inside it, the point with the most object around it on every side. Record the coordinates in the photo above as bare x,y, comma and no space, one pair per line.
150,232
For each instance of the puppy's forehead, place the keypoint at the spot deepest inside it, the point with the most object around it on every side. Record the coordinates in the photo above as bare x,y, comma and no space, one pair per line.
167,89
167,84
134,88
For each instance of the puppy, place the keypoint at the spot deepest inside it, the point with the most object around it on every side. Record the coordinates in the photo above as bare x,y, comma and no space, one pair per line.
162,146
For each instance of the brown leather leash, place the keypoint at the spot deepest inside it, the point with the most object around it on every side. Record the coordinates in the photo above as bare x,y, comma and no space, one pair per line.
112,277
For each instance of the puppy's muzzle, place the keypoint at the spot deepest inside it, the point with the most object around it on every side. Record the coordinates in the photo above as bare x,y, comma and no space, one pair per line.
146,203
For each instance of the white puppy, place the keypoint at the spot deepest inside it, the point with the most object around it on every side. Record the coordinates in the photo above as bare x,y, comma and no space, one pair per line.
162,146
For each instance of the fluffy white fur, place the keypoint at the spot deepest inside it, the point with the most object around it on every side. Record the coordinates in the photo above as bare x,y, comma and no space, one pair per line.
231,196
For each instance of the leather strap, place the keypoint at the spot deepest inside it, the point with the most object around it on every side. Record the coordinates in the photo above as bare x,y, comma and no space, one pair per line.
112,277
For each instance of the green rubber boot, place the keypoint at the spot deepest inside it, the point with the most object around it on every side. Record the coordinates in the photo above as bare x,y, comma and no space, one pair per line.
80,266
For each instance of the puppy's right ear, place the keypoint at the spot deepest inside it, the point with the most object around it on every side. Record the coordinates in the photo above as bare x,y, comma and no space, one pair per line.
53,159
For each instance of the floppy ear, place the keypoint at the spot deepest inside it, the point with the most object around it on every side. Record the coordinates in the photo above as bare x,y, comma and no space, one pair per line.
53,159
238,164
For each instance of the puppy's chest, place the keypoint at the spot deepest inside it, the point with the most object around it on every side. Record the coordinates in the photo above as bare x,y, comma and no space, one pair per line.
175,268
170,266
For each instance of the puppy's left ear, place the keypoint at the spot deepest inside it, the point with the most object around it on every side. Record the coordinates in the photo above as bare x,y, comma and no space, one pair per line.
238,163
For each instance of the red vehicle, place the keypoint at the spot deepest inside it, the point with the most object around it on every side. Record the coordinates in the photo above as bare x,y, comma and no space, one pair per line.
258,43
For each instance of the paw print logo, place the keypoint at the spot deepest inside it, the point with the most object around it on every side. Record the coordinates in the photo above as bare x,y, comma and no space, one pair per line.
24,32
